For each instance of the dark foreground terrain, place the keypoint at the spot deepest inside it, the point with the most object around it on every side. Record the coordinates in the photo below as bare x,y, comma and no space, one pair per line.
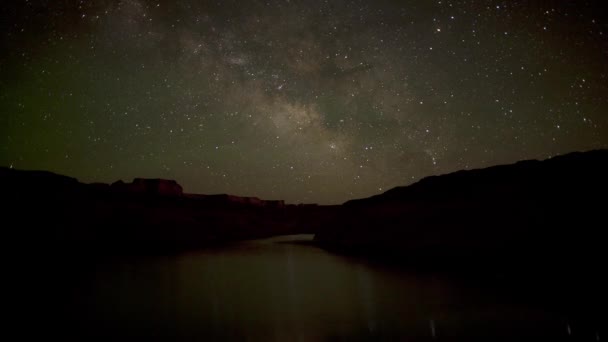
534,229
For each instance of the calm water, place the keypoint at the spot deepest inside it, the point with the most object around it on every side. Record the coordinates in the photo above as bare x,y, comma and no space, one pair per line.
275,289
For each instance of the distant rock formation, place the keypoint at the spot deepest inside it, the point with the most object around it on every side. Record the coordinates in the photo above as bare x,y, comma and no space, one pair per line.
160,187
146,215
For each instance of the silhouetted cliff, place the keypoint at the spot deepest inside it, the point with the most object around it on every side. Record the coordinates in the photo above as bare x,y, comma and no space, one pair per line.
151,187
55,213
543,214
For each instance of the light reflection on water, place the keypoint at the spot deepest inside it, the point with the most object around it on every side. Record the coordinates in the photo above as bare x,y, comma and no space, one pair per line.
274,289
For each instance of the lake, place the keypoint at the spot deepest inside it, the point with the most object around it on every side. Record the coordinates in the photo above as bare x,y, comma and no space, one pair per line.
284,289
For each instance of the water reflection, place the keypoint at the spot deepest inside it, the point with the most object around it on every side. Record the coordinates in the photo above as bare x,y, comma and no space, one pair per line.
277,289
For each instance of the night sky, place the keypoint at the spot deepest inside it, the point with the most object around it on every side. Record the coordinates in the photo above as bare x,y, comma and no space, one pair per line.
306,101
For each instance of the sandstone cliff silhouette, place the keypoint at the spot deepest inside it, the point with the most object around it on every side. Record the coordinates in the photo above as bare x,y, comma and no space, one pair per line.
547,212
543,214
55,213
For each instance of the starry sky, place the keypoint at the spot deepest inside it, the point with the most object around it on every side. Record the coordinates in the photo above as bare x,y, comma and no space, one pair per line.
306,101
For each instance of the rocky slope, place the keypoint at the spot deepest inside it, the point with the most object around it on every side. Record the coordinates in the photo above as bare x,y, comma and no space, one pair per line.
54,213
534,213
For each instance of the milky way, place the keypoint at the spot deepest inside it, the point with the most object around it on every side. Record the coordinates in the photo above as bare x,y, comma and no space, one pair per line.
298,100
